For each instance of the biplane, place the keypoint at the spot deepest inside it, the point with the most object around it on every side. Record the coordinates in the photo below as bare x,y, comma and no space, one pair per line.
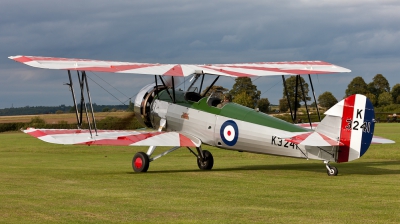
189,118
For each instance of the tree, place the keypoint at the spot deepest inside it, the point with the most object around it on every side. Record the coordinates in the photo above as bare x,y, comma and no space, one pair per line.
263,105
357,85
244,99
130,107
291,89
396,93
385,99
244,84
71,110
327,100
372,98
378,86
37,122
283,105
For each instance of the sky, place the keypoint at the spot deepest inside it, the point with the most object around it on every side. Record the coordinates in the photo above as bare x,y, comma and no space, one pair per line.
362,36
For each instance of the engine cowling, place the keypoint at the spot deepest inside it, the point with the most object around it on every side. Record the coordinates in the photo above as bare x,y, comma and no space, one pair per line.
143,102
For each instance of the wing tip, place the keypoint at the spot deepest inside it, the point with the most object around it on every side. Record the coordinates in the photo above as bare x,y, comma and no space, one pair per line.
20,58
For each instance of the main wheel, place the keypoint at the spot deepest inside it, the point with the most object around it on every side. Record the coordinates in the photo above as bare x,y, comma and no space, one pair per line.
208,161
333,171
140,162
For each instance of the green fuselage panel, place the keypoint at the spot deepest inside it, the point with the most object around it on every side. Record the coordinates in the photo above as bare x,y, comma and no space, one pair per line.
232,110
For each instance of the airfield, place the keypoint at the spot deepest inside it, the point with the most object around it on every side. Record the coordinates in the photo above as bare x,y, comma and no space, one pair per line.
46,183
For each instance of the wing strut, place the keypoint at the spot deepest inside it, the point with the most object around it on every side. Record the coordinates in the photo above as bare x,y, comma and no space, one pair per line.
305,101
90,101
79,113
212,84
201,85
173,89
315,101
166,87
295,98
155,79
195,77
293,113
287,97
73,98
83,103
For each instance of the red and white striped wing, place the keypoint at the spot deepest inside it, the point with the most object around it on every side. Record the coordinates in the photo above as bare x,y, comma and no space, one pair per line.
109,137
234,70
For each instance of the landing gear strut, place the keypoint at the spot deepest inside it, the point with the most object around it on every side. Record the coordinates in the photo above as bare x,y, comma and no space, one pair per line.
331,170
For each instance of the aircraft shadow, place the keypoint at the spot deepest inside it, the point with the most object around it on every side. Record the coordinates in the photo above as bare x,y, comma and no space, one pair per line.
360,168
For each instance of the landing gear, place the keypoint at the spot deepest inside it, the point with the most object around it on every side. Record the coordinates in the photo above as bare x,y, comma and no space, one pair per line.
140,162
331,170
207,162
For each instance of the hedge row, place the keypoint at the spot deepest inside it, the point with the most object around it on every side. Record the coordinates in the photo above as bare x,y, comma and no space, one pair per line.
108,123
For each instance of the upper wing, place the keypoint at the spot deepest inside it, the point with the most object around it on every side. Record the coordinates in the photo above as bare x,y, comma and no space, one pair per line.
235,70
109,137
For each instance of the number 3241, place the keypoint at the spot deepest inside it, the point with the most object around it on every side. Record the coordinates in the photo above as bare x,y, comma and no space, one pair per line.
355,125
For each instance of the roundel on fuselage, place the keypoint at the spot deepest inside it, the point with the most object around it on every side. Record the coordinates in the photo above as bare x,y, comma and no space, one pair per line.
229,132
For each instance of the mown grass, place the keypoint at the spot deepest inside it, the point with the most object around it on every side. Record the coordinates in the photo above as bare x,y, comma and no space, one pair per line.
45,183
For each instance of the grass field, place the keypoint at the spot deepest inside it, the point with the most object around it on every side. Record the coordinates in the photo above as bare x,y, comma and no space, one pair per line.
46,183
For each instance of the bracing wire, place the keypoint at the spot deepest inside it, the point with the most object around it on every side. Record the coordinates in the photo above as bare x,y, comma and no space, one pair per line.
109,84
106,90
270,88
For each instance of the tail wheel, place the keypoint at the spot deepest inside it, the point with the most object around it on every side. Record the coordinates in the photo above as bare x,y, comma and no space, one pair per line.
207,162
332,171
140,162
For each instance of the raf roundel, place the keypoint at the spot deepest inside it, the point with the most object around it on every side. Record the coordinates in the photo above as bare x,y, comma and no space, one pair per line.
229,132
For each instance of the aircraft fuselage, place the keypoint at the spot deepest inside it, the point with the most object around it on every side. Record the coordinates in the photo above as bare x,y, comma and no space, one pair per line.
232,127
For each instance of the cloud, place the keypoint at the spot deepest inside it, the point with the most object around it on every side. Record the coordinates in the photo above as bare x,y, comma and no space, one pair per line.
360,35
230,39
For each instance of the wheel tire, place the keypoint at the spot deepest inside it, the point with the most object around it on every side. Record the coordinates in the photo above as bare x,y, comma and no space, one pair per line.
140,162
333,171
208,162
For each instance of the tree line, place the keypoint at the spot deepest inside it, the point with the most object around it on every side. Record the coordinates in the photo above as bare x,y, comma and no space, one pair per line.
384,98
378,92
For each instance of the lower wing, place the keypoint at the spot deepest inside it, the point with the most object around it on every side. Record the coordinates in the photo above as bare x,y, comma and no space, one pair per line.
111,137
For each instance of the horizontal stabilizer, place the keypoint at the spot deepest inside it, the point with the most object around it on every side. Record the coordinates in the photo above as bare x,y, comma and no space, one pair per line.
380,140
375,139
313,139
111,137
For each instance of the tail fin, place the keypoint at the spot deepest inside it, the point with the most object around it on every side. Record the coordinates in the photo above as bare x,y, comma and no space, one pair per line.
351,122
